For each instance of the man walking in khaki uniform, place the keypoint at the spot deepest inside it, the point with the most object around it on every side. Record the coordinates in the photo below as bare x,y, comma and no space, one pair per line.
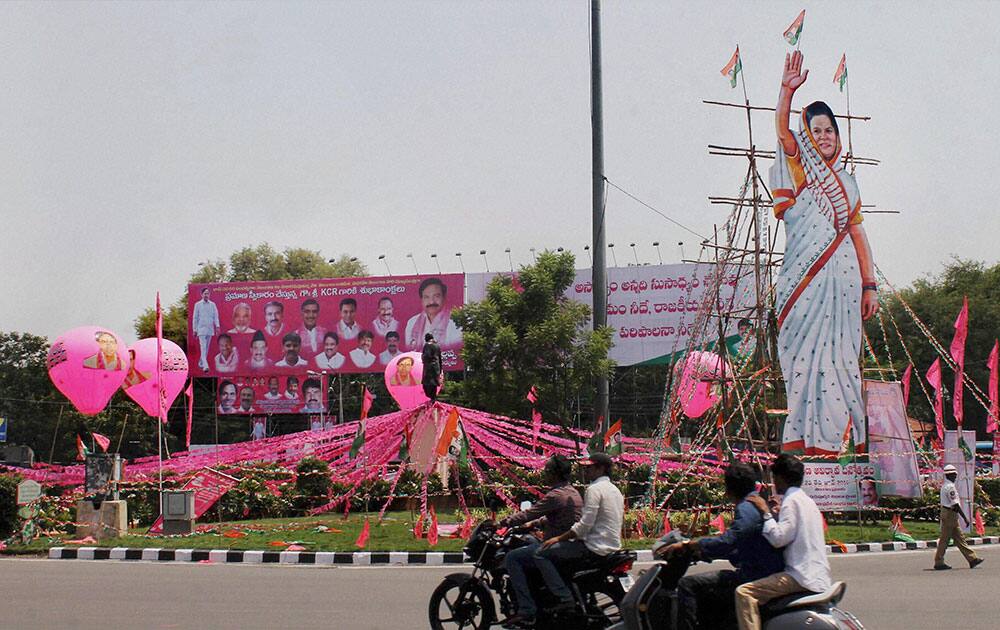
951,509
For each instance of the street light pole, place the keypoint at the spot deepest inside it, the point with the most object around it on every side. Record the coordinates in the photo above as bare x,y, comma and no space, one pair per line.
598,268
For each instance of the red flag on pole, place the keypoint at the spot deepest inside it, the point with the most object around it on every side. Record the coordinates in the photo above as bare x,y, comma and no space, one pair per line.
958,355
993,363
102,441
666,523
934,378
366,403
189,393
906,385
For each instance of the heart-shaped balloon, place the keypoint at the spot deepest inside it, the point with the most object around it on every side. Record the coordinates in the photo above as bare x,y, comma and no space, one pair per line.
140,384
402,378
87,364
698,389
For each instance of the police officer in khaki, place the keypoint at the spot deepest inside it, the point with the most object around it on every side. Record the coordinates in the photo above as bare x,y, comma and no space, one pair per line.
951,509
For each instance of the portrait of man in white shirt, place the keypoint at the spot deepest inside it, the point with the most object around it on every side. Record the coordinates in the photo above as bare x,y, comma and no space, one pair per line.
274,319
273,389
311,334
291,344
385,322
362,356
205,324
241,320
228,359
434,319
348,326
391,348
330,359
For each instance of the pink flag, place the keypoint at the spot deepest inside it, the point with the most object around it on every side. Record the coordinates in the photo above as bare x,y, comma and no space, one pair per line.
432,531
958,355
362,540
980,526
366,403
906,385
993,363
532,395
718,524
934,378
536,417
159,361
102,441
666,523
189,393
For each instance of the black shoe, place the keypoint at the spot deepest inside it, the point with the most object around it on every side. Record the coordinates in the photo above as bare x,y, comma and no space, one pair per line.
975,563
941,567
518,620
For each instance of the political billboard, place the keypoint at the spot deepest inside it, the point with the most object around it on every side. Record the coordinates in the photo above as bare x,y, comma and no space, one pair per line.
333,325
652,308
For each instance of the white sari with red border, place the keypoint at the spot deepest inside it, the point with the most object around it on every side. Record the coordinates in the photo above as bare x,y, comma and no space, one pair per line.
818,298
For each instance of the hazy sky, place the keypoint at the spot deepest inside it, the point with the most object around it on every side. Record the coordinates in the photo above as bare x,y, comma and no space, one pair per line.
142,138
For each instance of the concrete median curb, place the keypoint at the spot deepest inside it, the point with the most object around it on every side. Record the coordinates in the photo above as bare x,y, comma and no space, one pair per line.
365,558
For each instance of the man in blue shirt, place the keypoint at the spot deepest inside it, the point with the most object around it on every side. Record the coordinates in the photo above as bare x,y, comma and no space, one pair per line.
707,600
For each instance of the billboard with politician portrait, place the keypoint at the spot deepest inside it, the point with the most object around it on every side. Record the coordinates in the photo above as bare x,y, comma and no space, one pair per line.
345,325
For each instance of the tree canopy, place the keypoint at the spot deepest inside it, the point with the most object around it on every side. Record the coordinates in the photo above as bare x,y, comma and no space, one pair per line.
527,334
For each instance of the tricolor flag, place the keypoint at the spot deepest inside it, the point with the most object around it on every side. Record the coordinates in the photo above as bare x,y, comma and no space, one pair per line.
847,444
841,75
793,32
734,67
596,442
613,440
898,531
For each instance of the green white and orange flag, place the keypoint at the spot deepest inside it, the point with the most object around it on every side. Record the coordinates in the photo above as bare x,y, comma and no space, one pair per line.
793,32
613,440
733,68
841,76
847,444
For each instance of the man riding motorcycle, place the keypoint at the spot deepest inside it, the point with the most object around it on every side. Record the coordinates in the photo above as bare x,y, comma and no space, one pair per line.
555,513
595,535
707,600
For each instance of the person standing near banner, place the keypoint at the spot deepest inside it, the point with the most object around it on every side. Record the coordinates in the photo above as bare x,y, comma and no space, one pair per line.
951,509
205,323
827,285
430,356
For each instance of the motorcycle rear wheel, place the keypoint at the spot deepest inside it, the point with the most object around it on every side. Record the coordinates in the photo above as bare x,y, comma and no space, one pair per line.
459,606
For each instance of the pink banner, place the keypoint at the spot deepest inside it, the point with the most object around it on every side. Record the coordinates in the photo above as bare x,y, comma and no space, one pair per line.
348,325
291,393
209,486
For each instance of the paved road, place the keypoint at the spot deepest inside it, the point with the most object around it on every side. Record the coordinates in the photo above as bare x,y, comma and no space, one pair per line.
889,591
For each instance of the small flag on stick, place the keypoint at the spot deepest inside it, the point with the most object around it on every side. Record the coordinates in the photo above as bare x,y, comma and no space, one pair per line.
793,32
613,440
733,68
847,444
840,77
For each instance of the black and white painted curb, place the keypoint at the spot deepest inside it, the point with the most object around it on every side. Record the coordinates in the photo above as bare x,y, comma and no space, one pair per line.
362,558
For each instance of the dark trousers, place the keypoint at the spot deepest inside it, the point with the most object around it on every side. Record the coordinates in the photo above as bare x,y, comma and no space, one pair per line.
707,600
431,388
567,556
518,562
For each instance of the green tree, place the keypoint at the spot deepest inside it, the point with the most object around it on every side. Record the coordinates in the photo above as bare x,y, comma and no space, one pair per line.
530,335
937,300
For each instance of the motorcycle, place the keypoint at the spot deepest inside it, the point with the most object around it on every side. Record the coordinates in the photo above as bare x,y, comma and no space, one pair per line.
652,602
466,600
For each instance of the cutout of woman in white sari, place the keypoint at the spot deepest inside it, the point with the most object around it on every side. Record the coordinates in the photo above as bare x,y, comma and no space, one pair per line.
827,281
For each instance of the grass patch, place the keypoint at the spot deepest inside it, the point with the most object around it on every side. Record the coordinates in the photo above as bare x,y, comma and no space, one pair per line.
393,534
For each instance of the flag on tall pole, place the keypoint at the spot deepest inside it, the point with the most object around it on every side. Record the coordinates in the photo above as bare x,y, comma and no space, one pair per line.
840,77
958,355
102,441
793,32
366,402
993,363
536,417
733,68
934,378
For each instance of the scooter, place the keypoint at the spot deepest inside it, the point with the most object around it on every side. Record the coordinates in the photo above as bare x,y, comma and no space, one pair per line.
652,602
